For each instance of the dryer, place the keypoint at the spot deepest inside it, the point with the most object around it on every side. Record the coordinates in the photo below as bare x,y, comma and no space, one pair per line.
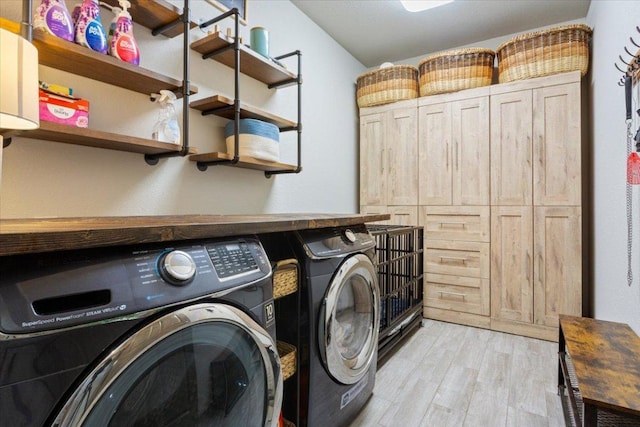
339,323
140,336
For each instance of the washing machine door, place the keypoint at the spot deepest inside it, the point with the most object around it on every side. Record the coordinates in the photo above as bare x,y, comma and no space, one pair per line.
208,364
349,320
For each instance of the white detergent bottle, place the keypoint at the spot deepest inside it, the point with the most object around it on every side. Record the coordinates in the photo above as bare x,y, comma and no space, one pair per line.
89,30
123,45
112,27
166,128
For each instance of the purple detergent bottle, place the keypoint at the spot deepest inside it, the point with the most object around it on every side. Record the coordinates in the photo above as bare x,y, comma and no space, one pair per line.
53,17
89,30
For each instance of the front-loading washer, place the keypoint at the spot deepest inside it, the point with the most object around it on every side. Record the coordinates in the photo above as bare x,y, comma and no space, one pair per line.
339,323
140,336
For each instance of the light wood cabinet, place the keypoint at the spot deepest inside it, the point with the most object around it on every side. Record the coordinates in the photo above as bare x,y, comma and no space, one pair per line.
511,147
556,145
536,268
403,215
468,223
512,263
557,264
453,151
373,180
536,213
499,194
535,146
389,161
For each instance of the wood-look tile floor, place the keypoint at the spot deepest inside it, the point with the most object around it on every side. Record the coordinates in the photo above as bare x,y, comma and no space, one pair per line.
452,375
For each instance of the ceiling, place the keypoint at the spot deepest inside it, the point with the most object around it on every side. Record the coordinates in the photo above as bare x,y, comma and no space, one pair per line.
377,31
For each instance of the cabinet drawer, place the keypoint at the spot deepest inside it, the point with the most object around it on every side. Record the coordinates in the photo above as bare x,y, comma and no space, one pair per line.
468,259
469,223
465,294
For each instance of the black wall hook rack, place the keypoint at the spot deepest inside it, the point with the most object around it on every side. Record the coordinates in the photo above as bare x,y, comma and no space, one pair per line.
633,66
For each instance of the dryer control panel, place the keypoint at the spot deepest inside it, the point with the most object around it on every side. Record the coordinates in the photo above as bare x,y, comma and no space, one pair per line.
52,291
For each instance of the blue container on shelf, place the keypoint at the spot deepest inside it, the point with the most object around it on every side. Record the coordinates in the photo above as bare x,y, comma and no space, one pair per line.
257,139
259,41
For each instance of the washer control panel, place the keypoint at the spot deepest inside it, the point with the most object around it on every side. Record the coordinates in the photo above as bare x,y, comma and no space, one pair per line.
233,259
42,293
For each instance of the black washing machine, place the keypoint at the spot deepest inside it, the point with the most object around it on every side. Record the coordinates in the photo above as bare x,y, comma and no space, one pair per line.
338,323
145,336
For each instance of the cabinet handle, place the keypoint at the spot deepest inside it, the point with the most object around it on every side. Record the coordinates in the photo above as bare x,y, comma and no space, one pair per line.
457,156
453,294
541,268
447,156
529,262
453,259
452,224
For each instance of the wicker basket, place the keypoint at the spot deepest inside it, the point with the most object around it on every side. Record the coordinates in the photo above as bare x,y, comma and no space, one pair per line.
387,85
456,70
552,51
285,278
287,353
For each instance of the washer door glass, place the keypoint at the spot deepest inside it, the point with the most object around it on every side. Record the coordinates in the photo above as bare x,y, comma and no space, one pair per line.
215,368
349,320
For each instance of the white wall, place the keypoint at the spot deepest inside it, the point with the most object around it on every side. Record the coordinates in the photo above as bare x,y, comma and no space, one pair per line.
43,179
613,22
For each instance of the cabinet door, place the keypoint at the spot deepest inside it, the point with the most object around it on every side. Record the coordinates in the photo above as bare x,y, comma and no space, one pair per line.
557,145
434,148
402,148
470,131
373,186
403,215
511,263
511,145
558,264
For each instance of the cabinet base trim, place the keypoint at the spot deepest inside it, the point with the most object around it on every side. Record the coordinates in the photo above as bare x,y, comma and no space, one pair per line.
457,317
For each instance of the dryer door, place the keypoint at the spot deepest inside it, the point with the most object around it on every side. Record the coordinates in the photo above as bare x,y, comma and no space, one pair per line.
205,364
349,320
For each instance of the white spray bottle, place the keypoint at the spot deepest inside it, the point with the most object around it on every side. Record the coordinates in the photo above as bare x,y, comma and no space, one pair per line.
166,128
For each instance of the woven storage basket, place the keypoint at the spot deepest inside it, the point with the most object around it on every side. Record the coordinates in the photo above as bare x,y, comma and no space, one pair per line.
552,51
287,353
456,70
387,85
285,278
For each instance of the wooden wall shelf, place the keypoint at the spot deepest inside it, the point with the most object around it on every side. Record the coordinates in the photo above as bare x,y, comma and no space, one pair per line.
70,57
154,14
251,63
93,138
244,162
224,108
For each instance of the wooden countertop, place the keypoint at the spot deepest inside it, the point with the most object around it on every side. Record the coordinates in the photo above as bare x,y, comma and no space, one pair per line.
19,236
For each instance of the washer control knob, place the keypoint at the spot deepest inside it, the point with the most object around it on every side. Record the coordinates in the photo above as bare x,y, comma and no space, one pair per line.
349,235
177,268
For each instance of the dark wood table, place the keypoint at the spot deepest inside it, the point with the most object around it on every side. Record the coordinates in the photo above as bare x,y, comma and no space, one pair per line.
598,372
19,236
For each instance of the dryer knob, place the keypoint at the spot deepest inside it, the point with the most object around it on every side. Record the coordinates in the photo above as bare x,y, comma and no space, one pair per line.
350,236
177,268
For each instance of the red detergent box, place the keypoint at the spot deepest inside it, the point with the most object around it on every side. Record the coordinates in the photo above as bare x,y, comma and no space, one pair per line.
70,111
